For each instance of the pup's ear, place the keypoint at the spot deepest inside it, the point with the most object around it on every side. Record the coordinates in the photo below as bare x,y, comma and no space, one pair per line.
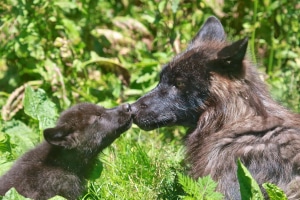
230,58
58,136
212,30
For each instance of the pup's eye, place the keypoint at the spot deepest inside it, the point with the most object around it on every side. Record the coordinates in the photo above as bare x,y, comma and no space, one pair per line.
179,83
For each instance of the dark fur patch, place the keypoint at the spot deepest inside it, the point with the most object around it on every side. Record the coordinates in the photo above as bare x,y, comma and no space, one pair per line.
216,92
60,165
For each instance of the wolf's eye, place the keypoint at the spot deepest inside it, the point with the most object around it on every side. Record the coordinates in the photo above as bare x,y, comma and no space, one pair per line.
179,83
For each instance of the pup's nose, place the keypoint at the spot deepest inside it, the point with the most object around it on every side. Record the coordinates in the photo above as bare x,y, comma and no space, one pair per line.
126,107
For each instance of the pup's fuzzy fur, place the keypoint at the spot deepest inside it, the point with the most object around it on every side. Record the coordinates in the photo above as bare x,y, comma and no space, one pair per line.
59,165
216,92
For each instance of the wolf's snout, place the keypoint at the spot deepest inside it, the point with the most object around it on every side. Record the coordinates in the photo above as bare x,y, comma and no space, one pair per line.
126,107
135,108
138,106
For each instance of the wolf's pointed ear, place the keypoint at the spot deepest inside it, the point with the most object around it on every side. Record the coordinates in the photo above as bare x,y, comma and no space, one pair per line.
234,52
232,56
212,30
58,136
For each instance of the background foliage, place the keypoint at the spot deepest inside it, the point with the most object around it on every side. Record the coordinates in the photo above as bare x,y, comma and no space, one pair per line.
109,52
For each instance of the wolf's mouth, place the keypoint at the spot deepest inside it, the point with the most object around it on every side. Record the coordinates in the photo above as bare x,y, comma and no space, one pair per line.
152,120
128,123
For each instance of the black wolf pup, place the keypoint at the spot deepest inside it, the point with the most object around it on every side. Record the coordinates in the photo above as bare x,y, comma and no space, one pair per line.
215,91
60,164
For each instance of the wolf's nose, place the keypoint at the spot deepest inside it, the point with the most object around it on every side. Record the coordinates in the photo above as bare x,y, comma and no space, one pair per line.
126,107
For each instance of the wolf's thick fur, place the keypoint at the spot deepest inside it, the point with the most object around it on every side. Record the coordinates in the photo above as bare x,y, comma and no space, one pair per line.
216,92
60,164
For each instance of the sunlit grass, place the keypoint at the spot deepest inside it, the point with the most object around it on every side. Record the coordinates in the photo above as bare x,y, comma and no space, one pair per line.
139,165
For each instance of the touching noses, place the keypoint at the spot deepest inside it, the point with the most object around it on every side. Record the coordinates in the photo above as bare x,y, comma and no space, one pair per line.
126,107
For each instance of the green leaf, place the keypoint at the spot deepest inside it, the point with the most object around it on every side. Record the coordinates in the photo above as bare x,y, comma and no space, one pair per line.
189,185
162,5
65,5
39,107
4,143
57,198
175,4
203,188
5,165
208,187
95,173
274,192
20,137
12,194
248,186
72,30
110,65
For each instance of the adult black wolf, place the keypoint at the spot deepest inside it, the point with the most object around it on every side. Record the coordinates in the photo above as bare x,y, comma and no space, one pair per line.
60,164
215,91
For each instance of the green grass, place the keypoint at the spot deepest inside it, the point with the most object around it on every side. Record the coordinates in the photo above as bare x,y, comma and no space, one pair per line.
138,166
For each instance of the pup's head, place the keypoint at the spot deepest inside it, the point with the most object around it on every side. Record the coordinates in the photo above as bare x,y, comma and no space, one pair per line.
184,89
88,126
